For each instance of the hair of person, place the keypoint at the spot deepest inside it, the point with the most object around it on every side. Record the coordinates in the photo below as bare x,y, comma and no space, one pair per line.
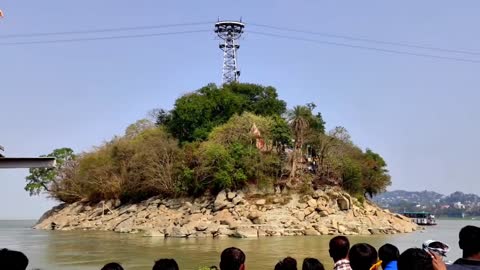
288,263
339,247
362,256
232,258
388,253
312,264
13,260
112,266
165,264
469,240
415,259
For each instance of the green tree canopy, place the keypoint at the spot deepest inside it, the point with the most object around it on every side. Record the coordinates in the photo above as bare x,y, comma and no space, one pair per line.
46,179
376,177
196,114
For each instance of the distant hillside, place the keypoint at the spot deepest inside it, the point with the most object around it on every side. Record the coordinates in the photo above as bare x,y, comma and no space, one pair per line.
455,204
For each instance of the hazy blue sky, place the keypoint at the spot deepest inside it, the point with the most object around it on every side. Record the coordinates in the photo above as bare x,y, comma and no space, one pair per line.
421,114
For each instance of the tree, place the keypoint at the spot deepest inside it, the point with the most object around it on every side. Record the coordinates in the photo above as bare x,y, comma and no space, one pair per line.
317,123
159,116
138,127
376,177
46,179
257,99
196,114
281,133
299,120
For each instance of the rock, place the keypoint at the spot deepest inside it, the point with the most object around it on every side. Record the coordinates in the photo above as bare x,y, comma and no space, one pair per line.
237,200
323,230
334,223
153,233
260,202
231,195
323,213
302,205
277,200
258,221
178,232
201,227
254,214
220,201
374,231
155,202
213,228
224,217
124,226
312,203
308,211
311,232
245,232
300,216
126,210
224,231
343,203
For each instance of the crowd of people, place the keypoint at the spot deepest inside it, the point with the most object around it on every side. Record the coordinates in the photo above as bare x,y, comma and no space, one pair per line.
360,256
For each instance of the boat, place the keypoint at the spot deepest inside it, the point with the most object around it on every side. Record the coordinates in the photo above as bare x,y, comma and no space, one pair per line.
421,218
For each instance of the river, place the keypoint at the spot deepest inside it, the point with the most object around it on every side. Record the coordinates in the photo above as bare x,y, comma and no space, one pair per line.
82,250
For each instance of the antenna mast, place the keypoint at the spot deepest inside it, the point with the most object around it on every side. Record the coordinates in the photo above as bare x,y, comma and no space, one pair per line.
229,32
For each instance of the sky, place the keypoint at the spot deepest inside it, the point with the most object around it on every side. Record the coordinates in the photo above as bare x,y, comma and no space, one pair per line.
419,113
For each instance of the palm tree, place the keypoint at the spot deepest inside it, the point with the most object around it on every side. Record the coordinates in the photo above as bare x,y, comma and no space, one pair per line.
299,120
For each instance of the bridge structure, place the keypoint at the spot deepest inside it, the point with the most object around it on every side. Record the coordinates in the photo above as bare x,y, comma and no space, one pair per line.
25,162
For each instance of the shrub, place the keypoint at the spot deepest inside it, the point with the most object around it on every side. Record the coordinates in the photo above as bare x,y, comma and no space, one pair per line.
127,169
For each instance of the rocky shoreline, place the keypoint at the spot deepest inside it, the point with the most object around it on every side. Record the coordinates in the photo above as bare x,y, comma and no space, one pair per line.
232,214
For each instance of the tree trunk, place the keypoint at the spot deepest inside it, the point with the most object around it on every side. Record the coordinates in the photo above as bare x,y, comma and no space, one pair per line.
294,165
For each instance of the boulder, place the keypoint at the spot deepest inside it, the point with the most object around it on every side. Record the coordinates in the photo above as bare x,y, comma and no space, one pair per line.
201,227
323,213
224,231
261,202
237,200
124,226
323,230
231,195
153,233
307,211
312,203
311,232
131,209
343,203
178,232
213,228
245,232
221,201
300,216
254,214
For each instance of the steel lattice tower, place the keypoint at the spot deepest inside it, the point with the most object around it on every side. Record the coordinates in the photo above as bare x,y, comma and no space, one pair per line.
229,32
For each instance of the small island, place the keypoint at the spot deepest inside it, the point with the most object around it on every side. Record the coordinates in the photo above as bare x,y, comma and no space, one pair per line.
225,161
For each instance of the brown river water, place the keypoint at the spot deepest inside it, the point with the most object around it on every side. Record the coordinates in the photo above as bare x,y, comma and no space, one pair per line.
86,250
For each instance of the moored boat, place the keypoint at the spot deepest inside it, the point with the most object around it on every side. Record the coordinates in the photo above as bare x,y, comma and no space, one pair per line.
421,218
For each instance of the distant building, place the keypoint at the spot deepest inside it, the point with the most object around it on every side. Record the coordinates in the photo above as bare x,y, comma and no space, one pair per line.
458,205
